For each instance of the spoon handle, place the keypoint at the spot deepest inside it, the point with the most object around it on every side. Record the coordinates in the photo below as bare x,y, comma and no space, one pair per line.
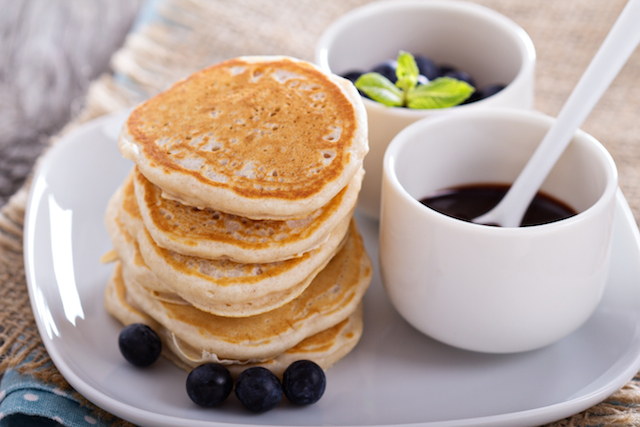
619,44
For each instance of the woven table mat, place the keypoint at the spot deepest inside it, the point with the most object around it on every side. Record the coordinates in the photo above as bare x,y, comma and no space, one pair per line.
196,33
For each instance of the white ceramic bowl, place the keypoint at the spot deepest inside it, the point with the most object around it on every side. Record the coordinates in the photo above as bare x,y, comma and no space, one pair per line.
481,41
485,288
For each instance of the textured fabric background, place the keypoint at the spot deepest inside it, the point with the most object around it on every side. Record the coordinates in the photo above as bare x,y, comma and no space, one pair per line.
196,33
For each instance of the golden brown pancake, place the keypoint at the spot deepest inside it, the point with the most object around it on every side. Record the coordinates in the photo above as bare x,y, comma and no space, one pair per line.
115,301
221,287
206,233
324,348
258,137
332,296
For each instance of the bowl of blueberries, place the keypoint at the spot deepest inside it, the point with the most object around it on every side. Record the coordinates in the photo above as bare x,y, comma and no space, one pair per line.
414,59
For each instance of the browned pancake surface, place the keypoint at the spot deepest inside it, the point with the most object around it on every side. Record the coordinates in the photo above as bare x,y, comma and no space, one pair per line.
324,348
278,129
191,226
335,287
223,272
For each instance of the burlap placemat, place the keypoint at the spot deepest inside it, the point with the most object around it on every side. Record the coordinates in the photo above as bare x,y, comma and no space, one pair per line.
196,33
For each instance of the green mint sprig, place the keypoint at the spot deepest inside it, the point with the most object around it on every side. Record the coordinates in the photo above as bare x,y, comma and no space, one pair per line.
442,92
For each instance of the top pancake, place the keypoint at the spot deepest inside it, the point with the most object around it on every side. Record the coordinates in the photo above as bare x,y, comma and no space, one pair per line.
265,137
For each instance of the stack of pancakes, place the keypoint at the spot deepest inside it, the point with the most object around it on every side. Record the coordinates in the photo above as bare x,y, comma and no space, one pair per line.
233,234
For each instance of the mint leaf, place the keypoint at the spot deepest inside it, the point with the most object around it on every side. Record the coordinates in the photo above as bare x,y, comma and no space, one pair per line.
379,88
442,92
407,71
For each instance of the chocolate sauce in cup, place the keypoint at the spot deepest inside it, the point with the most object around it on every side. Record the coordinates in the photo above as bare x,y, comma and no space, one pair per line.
468,202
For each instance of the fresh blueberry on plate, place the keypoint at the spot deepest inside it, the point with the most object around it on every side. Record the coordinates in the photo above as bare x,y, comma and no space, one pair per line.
209,384
139,344
258,389
304,382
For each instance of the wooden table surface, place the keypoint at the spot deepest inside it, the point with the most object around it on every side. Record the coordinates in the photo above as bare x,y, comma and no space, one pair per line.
50,51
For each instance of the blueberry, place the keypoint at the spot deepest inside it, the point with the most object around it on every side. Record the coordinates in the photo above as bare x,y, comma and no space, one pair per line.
444,69
304,382
461,75
475,96
209,384
489,90
352,76
139,344
485,92
422,80
387,69
427,67
258,389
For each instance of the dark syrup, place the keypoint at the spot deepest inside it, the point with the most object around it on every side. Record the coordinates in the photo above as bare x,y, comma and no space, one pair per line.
469,202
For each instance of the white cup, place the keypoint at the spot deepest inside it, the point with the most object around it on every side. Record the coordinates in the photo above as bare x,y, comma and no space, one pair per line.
484,288
473,38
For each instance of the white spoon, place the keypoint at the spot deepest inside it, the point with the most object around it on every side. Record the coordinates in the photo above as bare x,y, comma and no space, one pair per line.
604,67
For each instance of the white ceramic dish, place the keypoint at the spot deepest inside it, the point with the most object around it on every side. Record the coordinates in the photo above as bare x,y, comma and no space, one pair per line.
494,289
474,38
396,375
